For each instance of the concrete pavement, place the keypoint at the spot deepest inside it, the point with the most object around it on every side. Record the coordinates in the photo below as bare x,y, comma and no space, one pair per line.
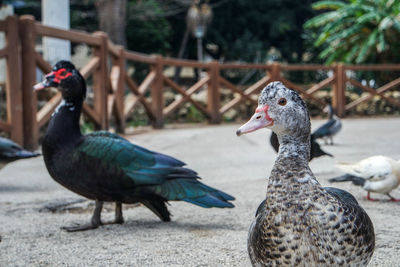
31,234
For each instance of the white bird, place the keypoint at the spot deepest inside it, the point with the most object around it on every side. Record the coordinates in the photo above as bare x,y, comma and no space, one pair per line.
378,174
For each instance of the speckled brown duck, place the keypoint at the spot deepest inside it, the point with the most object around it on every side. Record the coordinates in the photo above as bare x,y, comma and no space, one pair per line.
301,223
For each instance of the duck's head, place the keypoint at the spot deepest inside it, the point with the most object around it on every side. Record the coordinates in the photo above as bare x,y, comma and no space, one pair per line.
280,109
67,79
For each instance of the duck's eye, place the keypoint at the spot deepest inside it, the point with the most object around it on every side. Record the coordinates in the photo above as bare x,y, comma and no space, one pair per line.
63,73
282,101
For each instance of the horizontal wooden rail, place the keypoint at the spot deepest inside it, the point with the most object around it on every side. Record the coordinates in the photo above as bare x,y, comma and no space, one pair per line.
303,67
184,63
113,49
379,67
73,36
245,66
139,57
115,93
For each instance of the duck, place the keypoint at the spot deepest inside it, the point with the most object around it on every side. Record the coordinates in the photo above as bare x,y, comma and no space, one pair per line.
105,167
330,128
11,151
301,223
377,174
315,148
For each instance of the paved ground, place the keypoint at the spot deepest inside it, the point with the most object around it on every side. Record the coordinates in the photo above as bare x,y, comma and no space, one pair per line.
31,234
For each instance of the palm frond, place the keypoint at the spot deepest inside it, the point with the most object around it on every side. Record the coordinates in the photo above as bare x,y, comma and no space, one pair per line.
328,5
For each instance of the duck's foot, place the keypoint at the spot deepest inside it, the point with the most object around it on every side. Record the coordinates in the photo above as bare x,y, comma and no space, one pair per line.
77,228
370,198
113,222
95,222
393,199
331,141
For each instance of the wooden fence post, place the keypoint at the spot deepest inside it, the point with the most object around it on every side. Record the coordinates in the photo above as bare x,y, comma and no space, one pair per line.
275,71
13,81
157,94
101,82
213,94
339,90
27,37
120,90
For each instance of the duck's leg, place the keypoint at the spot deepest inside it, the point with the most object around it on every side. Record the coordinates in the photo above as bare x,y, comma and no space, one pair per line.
392,198
119,219
325,140
95,222
370,198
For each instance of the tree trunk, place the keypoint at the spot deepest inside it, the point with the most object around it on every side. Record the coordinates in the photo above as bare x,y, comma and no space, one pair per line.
112,15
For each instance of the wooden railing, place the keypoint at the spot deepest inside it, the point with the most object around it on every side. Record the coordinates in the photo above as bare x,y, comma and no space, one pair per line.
14,122
117,93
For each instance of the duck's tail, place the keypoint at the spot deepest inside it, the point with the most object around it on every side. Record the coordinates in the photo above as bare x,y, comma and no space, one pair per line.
193,191
21,154
316,150
349,167
356,180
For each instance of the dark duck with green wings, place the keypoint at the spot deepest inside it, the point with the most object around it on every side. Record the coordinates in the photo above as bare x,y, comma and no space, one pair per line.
301,223
106,167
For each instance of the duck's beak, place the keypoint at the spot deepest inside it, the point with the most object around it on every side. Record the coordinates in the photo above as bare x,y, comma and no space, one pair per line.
259,120
39,86
49,81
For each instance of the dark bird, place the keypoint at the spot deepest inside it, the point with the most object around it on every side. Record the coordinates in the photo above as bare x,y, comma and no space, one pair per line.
329,128
301,223
378,174
10,151
315,148
106,167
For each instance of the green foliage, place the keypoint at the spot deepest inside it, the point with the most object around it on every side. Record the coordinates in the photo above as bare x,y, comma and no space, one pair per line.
194,115
357,31
87,127
242,29
147,30
84,15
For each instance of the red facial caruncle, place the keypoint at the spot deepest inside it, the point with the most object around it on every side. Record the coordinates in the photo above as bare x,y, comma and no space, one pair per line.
59,75
265,110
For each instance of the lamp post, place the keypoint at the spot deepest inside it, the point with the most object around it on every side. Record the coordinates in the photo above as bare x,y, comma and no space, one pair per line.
198,18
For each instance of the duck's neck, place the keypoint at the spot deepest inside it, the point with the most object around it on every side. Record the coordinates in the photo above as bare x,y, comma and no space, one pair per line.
291,172
294,147
331,114
64,127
